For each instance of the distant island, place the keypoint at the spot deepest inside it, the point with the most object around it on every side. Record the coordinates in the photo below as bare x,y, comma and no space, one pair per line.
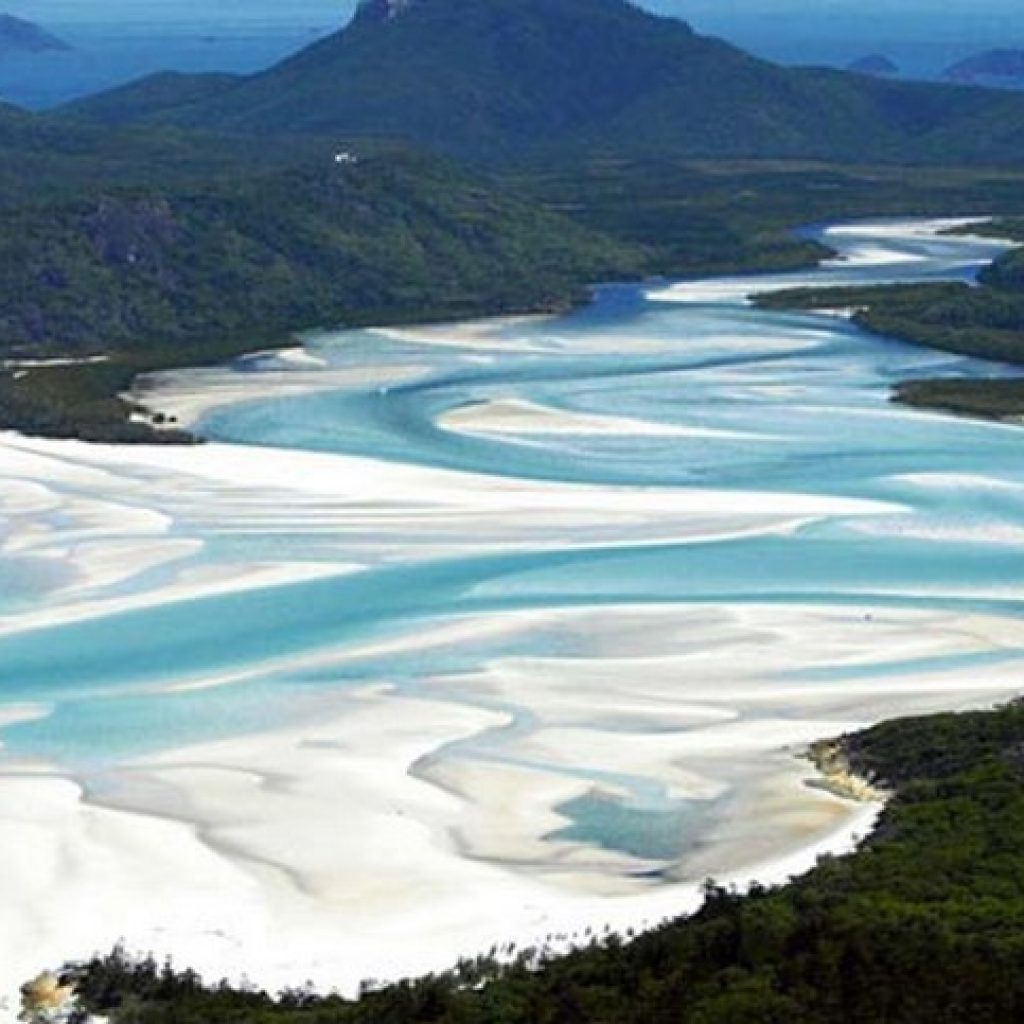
993,67
874,64
20,36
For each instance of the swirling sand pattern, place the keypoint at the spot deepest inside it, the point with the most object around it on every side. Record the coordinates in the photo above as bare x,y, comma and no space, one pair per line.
471,633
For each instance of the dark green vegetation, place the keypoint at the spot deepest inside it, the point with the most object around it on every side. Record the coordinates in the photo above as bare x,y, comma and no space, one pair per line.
923,925
390,237
990,399
509,78
161,243
180,277
986,322
704,217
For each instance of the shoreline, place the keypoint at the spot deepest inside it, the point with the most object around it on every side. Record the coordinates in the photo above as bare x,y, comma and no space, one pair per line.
338,949
947,833
120,382
243,819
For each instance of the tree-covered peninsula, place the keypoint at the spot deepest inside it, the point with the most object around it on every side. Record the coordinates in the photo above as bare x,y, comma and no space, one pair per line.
984,321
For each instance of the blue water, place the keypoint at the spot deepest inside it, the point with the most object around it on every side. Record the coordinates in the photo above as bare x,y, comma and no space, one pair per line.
801,404
104,55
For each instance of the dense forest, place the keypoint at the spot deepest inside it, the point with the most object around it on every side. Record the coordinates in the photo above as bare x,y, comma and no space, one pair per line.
188,273
924,924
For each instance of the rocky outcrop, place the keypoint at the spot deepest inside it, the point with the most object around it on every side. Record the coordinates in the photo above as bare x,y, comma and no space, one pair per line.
47,999
838,777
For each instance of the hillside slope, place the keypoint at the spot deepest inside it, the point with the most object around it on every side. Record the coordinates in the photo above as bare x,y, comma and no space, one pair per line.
157,277
511,77
390,236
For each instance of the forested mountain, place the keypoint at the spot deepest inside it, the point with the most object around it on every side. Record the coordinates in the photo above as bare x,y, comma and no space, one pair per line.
387,236
512,77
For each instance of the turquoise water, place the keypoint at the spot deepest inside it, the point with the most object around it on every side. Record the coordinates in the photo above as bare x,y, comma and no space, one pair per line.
794,404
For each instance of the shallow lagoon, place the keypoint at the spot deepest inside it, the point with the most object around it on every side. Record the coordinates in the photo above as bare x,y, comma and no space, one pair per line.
559,601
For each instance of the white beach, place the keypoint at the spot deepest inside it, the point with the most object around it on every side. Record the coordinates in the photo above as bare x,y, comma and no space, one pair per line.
308,853
418,797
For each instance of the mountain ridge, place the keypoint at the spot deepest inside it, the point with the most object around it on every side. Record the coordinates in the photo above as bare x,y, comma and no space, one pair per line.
511,78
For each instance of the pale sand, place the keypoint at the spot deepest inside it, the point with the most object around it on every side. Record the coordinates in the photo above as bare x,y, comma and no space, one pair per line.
368,480
309,855
486,334
32,364
364,844
517,416
384,886
862,246
899,230
108,515
182,397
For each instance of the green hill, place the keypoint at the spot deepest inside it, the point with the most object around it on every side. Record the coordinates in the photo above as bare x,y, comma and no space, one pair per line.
42,157
156,277
155,93
509,78
388,236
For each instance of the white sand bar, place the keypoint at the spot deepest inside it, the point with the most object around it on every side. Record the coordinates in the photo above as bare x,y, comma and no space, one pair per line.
427,784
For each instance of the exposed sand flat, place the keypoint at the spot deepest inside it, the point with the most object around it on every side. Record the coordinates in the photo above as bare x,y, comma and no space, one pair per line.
363,844
874,246
366,480
901,230
182,397
482,335
33,364
242,824
515,416
415,714
106,514
313,853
